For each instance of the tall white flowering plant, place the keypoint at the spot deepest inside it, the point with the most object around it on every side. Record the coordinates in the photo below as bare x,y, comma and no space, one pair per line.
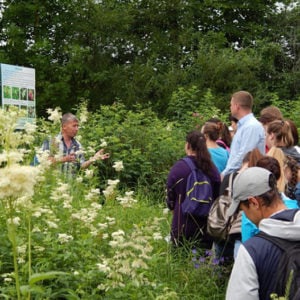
17,180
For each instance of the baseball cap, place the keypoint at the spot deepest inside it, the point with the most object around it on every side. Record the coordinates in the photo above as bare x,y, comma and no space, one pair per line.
253,181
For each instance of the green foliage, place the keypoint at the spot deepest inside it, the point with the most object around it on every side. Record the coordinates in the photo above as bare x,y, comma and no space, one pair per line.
147,145
145,51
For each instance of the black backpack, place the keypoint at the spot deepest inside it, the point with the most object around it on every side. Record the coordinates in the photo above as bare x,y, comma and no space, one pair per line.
287,280
199,196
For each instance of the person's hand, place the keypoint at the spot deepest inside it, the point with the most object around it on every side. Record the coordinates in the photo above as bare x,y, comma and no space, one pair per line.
69,158
100,155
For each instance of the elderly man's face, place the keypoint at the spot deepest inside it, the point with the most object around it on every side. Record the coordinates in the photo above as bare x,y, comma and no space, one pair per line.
70,128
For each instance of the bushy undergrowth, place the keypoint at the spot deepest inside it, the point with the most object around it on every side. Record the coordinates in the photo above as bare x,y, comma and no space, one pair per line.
92,236
100,234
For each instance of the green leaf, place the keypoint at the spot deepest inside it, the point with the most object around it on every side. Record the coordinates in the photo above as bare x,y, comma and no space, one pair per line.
42,276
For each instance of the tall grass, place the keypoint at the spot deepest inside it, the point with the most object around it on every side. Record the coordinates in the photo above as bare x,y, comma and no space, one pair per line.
91,236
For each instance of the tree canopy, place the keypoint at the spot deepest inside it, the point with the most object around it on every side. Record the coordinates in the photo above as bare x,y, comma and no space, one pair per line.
143,51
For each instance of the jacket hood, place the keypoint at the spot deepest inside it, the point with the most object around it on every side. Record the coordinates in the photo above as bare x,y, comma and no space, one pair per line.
279,226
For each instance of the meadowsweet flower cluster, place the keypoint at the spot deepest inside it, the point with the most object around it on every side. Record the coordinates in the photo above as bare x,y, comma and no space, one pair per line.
54,115
110,189
118,166
64,238
131,255
127,200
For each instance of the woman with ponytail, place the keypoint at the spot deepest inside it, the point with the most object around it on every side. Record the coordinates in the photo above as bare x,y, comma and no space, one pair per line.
185,227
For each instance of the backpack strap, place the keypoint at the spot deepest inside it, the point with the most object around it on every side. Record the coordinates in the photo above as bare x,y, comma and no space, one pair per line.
283,244
190,163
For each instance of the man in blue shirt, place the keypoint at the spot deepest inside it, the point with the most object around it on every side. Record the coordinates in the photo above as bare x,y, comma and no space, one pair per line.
250,133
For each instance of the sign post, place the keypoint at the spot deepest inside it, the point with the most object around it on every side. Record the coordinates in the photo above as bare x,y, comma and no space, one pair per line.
18,89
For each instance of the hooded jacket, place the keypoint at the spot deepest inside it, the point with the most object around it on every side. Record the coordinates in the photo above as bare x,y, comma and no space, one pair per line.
252,276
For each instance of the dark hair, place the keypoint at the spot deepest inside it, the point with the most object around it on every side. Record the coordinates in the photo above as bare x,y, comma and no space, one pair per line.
232,118
294,167
270,114
282,132
197,142
271,164
224,133
268,197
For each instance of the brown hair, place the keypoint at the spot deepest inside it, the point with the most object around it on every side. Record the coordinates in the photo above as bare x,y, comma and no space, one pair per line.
269,114
254,156
243,98
294,130
272,164
223,130
212,130
282,132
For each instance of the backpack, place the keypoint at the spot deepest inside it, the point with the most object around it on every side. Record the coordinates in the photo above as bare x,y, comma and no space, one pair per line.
287,280
218,223
199,196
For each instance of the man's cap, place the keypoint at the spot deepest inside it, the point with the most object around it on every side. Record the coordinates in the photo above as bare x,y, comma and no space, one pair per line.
252,182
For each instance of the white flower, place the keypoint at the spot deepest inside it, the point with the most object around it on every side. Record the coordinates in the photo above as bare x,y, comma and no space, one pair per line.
157,236
52,224
111,182
17,181
15,220
166,211
64,238
79,179
29,128
103,143
139,263
118,233
108,191
103,268
88,173
54,115
83,116
118,166
113,244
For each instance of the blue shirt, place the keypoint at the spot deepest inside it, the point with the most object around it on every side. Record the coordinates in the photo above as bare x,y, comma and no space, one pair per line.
249,229
249,135
219,157
58,146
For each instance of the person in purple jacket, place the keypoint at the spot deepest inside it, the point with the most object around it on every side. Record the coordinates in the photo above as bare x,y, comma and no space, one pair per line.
186,227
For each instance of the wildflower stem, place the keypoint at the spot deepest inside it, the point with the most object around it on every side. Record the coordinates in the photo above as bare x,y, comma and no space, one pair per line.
13,240
29,250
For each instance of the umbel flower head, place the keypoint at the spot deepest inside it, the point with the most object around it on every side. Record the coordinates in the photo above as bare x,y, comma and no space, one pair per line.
17,181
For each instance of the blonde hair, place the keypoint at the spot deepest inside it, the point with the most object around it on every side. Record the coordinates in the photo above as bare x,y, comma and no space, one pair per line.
279,155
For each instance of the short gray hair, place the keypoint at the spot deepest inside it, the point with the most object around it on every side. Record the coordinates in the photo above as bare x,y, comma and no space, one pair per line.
67,118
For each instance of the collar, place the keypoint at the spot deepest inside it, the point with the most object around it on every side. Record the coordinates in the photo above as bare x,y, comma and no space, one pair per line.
244,119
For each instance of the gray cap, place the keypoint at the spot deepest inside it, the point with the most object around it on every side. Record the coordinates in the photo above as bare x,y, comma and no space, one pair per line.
253,182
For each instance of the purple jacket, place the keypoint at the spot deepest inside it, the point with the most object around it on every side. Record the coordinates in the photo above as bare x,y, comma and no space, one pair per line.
183,226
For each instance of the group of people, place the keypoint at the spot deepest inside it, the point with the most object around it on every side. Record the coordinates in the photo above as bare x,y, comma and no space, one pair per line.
263,156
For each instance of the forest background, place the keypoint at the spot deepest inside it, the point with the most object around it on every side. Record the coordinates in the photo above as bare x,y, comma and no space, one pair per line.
134,72
143,51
